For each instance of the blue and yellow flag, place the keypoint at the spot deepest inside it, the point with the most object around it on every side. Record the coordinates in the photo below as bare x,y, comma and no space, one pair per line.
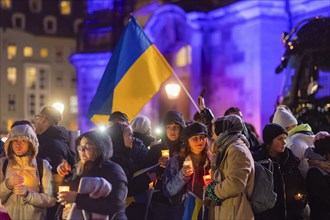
132,77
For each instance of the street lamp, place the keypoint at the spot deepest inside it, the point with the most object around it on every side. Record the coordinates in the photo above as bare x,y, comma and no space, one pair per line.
172,90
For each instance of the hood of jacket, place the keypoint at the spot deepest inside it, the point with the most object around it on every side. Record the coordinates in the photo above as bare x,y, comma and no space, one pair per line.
302,132
25,132
302,128
102,142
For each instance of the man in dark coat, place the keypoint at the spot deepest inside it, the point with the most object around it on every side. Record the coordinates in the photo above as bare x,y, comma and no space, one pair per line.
53,144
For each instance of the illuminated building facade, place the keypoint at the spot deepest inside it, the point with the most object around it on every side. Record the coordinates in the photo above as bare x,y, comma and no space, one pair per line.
231,51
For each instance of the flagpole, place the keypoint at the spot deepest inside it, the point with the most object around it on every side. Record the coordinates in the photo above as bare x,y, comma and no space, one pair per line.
186,91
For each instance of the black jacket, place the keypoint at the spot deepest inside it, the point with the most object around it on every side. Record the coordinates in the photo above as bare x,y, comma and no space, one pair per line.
288,182
54,145
112,205
318,192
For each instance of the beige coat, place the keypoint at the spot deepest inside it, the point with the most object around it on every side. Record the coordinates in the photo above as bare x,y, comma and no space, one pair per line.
237,174
35,204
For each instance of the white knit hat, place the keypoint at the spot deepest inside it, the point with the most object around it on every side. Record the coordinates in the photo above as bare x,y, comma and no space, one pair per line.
141,124
284,118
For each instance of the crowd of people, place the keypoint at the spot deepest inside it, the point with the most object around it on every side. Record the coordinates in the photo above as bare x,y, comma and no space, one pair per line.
198,169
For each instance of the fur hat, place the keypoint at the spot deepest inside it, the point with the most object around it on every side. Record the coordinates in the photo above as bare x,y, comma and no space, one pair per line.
176,117
118,115
52,114
141,124
271,131
193,129
284,118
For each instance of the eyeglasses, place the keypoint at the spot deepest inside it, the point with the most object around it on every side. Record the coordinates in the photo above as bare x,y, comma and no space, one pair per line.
173,128
198,138
38,116
86,147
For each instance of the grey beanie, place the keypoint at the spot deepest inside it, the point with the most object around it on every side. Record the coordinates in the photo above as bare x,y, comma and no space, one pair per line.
141,124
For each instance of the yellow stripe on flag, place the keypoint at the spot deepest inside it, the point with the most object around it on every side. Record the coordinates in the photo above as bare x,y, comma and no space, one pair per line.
141,82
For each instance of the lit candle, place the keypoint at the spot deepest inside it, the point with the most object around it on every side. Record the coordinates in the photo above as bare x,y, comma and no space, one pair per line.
187,163
64,188
207,179
165,153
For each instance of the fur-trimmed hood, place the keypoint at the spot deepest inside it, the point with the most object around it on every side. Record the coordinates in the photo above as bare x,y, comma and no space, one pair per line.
26,132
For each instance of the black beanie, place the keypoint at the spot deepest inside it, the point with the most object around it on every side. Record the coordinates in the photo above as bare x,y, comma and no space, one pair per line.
271,131
193,129
176,117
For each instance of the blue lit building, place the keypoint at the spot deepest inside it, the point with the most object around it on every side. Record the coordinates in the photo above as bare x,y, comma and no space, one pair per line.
231,51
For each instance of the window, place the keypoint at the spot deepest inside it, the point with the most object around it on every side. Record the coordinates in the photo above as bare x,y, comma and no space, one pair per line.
6,4
76,25
35,5
31,77
50,25
59,54
11,52
43,52
59,79
18,21
183,57
65,7
73,104
11,75
11,102
28,51
36,87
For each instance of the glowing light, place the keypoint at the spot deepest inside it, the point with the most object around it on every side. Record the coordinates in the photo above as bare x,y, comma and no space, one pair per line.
172,90
158,131
59,106
102,128
64,188
165,153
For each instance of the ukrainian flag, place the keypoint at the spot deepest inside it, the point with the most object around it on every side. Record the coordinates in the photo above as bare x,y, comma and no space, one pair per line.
193,208
132,77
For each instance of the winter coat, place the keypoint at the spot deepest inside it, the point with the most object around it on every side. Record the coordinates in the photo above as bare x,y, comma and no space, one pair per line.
299,139
237,175
318,192
54,147
114,204
138,153
146,139
288,182
34,205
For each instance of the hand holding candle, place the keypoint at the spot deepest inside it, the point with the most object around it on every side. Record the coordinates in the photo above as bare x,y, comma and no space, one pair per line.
187,169
165,153
163,160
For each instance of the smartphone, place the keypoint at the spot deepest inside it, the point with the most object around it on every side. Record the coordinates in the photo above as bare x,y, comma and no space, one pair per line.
202,93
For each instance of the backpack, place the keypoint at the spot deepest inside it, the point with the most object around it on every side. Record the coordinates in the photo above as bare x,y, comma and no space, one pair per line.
263,196
40,168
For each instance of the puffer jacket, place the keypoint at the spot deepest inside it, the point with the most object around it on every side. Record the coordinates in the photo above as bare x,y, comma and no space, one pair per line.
299,139
34,205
